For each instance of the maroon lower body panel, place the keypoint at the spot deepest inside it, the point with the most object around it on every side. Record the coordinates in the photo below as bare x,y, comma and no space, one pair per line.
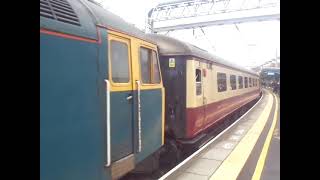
204,117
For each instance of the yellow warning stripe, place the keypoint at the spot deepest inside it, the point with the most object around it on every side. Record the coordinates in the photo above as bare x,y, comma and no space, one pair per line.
263,155
233,164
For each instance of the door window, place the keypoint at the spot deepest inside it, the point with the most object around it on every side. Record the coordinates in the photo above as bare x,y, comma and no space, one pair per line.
150,73
119,61
198,82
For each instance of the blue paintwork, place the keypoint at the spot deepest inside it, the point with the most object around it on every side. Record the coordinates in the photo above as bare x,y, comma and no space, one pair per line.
124,124
72,126
121,125
73,112
151,122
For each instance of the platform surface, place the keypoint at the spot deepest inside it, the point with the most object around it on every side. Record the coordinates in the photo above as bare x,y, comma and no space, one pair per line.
271,169
250,149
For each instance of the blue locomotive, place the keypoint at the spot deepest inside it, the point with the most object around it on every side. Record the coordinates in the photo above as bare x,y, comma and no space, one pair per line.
101,93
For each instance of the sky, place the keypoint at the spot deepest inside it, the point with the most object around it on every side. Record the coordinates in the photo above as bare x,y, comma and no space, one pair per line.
248,44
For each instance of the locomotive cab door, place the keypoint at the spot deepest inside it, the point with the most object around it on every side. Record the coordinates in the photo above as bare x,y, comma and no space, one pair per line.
120,105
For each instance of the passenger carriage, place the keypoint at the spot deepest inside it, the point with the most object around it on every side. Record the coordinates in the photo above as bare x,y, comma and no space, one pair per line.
201,88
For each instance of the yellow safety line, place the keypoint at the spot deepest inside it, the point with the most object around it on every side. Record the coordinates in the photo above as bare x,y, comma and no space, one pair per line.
263,155
233,164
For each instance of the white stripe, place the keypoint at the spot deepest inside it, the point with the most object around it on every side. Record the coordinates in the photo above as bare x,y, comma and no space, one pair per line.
139,117
108,124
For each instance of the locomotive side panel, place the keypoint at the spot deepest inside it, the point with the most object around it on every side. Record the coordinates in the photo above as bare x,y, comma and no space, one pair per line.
72,95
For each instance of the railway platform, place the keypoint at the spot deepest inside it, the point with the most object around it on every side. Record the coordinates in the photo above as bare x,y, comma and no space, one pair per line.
248,149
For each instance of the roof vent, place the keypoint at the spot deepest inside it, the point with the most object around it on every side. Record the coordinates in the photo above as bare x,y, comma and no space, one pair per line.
59,10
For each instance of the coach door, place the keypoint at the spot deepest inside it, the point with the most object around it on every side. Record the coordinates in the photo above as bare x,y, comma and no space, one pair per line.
120,89
207,89
200,88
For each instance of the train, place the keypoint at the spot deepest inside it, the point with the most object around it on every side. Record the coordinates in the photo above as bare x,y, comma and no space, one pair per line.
113,97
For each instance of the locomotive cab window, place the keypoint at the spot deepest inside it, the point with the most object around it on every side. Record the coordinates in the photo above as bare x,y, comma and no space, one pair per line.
233,82
222,82
198,82
150,73
240,80
119,61
245,82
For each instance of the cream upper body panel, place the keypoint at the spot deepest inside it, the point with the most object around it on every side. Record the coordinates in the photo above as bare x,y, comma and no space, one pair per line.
209,83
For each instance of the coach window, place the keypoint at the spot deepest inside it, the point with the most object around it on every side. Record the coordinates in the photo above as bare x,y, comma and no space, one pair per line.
250,82
240,80
233,82
222,82
245,82
119,61
198,82
150,73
